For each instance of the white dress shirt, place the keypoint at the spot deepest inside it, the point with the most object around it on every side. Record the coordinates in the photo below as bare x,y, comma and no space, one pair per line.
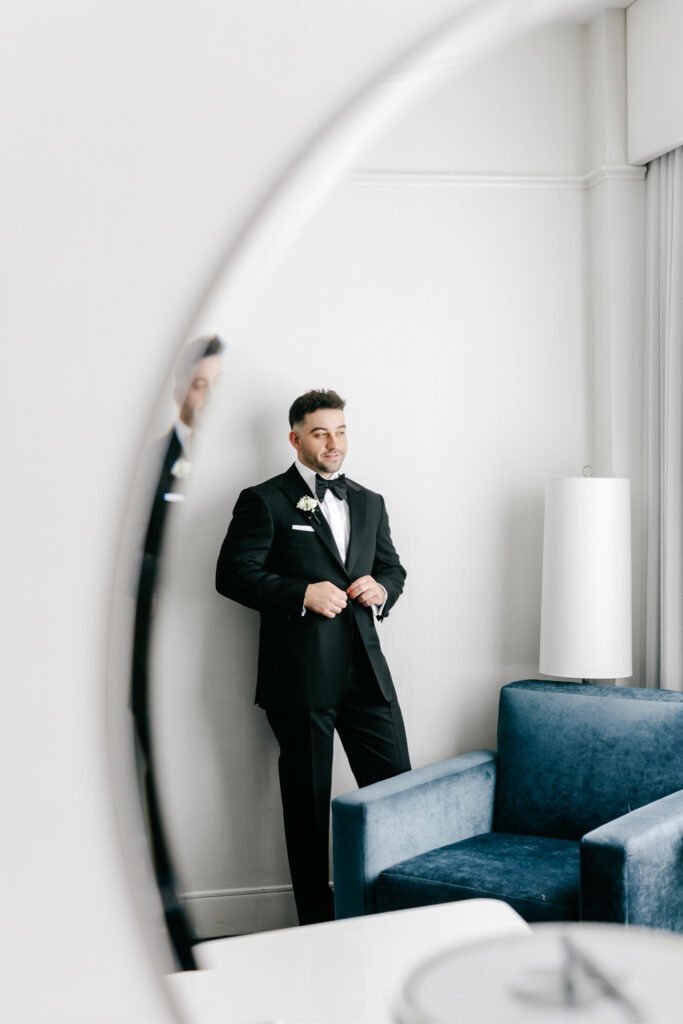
184,434
336,512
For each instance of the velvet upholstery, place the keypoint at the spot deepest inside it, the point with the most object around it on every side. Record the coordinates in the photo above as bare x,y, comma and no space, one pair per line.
409,814
584,812
611,749
632,868
537,876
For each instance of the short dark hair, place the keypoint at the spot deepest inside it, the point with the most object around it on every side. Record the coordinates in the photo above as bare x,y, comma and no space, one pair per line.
193,353
311,402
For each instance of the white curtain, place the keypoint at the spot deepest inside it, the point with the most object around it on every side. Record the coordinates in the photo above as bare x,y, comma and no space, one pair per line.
664,424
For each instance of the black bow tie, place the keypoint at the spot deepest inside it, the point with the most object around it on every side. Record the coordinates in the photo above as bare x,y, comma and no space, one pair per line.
338,486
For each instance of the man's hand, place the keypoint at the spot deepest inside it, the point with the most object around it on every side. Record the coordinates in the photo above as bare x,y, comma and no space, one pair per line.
325,599
367,591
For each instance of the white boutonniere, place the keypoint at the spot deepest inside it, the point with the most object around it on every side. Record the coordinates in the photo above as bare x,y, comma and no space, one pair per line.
181,468
309,505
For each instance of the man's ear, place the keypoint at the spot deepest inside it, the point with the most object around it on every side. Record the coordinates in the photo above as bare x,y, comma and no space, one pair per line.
294,439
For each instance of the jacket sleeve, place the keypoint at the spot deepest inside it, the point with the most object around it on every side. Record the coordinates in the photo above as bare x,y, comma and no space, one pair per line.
387,568
241,572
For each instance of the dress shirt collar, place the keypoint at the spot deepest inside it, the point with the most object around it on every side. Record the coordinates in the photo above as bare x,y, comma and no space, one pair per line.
184,435
309,475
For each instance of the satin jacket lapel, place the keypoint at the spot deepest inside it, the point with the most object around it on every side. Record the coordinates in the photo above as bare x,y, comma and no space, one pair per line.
357,499
294,487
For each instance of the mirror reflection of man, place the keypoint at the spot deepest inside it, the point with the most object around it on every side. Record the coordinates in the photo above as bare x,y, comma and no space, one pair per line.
311,550
197,372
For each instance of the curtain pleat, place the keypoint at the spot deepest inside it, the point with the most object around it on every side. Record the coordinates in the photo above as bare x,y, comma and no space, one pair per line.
663,449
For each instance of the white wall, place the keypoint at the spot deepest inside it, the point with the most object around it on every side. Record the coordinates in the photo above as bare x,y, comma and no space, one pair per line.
616,238
655,78
519,112
444,296
121,125
137,139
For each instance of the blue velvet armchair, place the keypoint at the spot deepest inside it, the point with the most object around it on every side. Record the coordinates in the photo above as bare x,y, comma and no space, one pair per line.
578,816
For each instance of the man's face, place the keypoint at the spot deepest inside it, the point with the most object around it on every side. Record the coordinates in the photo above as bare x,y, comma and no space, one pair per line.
320,440
205,376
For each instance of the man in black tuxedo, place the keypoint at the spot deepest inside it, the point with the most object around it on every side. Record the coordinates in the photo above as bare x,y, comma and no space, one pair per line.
312,552
196,375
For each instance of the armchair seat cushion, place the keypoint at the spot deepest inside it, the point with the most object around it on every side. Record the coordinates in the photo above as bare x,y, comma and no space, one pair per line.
538,876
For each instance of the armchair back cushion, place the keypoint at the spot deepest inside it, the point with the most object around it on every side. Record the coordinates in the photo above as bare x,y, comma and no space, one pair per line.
573,756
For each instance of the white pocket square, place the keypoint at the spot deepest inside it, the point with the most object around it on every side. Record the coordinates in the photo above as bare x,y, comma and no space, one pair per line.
309,529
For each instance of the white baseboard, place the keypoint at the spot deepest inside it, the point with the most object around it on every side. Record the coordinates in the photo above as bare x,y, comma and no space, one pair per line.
240,911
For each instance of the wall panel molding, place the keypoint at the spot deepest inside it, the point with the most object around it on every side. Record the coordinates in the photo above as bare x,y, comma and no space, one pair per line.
614,172
457,179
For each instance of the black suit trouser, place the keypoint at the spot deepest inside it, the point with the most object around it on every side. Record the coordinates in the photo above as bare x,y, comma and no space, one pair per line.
373,736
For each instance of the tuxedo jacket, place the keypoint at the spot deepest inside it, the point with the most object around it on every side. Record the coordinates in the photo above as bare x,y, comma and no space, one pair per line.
271,552
162,456
169,450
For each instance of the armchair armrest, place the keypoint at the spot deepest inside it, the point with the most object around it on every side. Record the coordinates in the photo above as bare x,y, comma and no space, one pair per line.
632,867
420,810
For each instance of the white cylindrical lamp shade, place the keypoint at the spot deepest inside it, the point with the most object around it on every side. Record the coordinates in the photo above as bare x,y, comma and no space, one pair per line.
586,593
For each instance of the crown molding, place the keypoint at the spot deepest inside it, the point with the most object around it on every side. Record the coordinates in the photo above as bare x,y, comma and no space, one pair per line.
611,172
468,180
614,172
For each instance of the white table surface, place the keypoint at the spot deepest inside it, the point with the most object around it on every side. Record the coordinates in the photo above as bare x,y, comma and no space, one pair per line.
342,972
519,979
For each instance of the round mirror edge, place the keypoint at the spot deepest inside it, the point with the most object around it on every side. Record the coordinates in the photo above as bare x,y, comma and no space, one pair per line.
279,219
